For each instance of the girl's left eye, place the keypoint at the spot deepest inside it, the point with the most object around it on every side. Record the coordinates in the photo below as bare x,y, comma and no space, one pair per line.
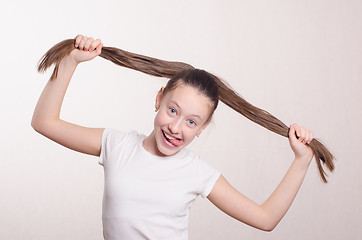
172,111
192,122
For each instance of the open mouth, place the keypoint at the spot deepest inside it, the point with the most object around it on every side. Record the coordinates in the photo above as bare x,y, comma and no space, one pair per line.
174,141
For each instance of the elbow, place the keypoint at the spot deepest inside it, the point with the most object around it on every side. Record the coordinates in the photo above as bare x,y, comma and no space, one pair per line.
267,223
39,125
269,220
269,226
35,124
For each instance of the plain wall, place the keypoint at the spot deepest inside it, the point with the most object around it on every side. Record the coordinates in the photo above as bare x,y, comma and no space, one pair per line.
299,60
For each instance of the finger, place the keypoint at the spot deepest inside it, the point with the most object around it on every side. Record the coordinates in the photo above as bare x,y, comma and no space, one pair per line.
82,42
88,43
310,136
302,134
307,136
292,132
77,40
94,45
297,130
99,49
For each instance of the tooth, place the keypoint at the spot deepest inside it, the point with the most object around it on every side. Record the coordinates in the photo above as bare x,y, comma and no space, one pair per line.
169,137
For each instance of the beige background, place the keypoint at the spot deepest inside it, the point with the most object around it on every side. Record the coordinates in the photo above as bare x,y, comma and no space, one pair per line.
299,60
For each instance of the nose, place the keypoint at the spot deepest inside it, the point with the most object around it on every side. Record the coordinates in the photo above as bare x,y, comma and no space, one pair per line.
175,126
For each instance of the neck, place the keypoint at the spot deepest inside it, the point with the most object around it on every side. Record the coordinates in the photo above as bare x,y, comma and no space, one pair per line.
149,144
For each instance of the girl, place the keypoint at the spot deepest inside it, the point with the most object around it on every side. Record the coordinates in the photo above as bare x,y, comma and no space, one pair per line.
151,181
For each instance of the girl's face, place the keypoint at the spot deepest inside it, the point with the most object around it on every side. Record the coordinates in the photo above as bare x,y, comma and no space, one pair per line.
182,114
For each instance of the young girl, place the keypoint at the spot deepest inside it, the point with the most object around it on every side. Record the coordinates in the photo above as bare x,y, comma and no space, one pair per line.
151,181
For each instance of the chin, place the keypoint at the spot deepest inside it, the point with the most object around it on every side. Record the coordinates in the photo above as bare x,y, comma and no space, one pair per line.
164,151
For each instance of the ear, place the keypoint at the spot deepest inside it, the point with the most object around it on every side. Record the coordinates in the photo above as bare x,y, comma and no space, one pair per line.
159,98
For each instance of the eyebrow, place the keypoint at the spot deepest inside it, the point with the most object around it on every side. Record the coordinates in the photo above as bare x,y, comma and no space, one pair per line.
181,108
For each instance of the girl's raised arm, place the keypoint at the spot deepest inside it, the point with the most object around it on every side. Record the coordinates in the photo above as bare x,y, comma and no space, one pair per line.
46,119
267,215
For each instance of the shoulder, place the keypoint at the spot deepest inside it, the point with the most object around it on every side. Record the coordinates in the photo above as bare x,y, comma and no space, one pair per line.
115,142
208,175
202,167
114,137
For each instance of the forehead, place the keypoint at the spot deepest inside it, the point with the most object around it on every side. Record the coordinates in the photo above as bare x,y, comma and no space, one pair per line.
190,100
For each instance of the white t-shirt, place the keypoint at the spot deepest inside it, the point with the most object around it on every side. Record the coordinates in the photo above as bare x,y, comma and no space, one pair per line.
146,196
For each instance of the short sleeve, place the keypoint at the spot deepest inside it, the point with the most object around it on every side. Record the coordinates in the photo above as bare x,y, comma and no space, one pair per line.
111,139
208,176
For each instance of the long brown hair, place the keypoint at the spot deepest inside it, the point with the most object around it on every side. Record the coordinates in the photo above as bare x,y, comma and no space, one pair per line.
167,69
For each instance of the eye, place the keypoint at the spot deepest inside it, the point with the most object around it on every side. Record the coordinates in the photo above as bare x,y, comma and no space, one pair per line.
172,111
192,122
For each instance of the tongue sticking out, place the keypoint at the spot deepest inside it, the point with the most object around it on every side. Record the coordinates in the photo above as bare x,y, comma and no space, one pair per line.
176,142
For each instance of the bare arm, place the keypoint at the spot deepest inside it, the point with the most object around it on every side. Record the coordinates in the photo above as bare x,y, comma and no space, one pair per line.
267,215
46,119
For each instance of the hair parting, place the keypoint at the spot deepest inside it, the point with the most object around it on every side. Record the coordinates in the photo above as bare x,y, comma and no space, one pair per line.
167,69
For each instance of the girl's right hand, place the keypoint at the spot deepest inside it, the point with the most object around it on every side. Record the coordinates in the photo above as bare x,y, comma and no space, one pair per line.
86,48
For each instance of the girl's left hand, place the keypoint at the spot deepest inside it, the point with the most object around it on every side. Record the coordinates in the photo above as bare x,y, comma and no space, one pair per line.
299,147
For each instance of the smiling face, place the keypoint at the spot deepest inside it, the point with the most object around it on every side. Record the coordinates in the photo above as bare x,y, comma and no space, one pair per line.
183,113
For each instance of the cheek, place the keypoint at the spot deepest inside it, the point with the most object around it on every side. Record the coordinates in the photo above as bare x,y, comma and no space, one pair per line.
156,121
189,134
160,119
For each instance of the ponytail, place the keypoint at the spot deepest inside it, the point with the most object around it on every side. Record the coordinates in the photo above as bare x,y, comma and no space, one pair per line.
161,68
